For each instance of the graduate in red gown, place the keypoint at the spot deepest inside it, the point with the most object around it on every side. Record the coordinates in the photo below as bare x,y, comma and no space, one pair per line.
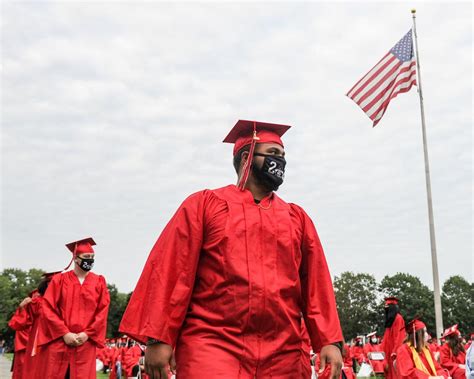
373,346
24,322
21,324
74,319
394,335
34,314
232,272
348,364
433,344
452,354
414,359
132,361
357,351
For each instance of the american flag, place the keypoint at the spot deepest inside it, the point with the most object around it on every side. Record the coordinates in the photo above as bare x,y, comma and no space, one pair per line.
395,73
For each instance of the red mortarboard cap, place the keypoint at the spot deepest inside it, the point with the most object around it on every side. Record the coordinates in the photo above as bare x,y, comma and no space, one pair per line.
391,300
81,246
242,133
247,132
451,330
415,325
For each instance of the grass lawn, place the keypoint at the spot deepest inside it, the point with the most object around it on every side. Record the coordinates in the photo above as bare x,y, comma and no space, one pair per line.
102,376
9,356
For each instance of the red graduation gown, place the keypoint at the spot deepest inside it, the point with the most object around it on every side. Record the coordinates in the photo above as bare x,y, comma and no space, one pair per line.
347,368
116,357
358,354
451,362
21,323
69,306
377,366
226,284
406,368
392,339
33,309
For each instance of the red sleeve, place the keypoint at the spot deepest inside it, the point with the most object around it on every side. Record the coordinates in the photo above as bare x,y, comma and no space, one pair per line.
20,319
405,367
399,334
319,303
98,328
446,360
160,300
394,337
51,325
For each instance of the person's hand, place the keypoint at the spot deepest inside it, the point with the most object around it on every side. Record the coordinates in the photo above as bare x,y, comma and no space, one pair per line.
157,358
70,339
330,354
462,366
82,338
25,301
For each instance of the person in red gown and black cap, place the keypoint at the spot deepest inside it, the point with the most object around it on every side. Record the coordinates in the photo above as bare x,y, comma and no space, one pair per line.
74,318
394,335
452,355
414,359
228,279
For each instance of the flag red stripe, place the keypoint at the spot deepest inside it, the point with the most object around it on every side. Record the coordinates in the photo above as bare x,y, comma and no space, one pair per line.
376,121
393,94
384,105
380,82
373,76
355,85
387,87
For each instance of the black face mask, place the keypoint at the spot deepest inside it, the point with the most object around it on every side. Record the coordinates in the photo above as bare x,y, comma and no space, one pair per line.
272,172
390,313
86,263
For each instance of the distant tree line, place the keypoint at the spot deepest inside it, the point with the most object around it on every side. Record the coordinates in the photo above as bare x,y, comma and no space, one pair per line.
359,300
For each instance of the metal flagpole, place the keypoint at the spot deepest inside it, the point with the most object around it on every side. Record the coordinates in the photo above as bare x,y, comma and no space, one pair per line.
434,259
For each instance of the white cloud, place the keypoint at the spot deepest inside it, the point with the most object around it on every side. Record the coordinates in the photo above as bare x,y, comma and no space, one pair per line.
113,113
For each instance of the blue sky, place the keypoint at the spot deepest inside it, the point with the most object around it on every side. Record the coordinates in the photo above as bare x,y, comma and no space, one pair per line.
113,113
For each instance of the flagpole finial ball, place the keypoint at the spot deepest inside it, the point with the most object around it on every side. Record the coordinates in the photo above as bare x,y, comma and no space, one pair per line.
413,11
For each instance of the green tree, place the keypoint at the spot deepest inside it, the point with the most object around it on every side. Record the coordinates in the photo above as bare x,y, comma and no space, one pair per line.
118,303
357,299
416,299
458,303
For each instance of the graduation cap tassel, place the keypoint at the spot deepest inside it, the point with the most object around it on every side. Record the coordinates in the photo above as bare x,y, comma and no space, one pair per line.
248,163
73,255
414,335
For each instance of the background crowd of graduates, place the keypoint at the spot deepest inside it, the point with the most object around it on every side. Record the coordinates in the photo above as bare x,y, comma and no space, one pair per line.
121,355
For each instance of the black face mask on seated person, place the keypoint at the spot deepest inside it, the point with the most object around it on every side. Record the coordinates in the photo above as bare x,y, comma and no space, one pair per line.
272,172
